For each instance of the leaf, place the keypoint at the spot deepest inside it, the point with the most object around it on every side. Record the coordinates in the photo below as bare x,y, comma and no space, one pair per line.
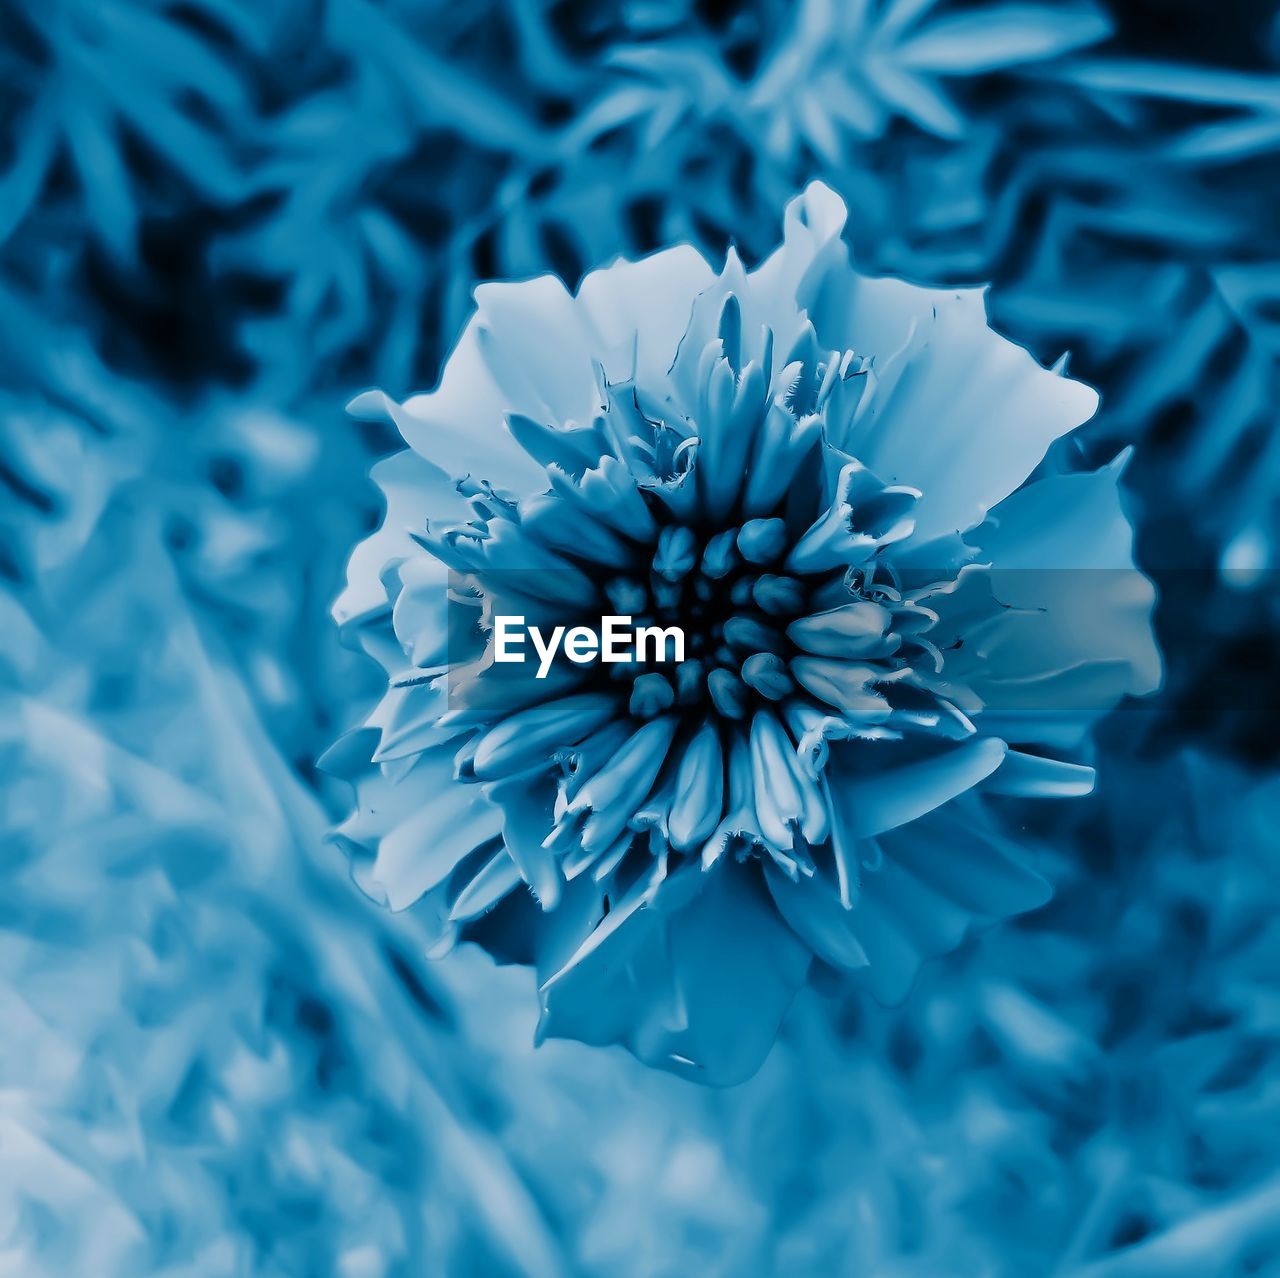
1230,140
1180,81
1003,36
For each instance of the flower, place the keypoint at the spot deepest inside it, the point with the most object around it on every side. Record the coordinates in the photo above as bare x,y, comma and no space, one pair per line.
823,478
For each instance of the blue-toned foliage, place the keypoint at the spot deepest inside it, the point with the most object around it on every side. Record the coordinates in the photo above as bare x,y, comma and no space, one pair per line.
219,219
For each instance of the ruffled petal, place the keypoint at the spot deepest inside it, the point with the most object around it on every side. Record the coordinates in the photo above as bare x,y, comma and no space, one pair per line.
953,408
409,834
638,312
1061,555
413,489
670,976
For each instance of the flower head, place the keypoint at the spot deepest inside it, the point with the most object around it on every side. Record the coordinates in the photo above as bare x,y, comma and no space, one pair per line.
821,479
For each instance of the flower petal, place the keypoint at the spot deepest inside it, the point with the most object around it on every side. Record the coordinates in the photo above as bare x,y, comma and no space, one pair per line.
638,311
954,409
418,829
673,969
1061,554
813,909
875,786
413,489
